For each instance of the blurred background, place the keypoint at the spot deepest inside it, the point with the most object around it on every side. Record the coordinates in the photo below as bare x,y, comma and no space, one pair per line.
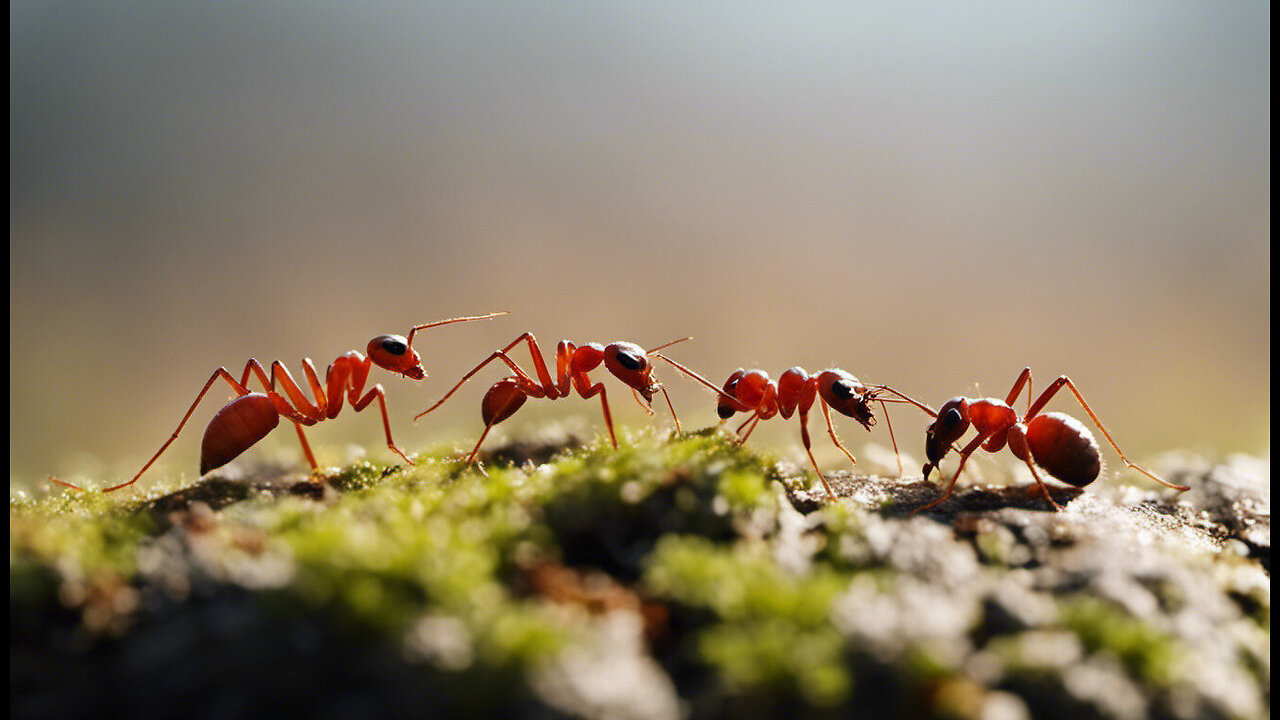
927,196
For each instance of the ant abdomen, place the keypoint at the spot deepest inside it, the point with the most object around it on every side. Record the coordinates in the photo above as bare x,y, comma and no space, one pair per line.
237,426
1065,448
502,400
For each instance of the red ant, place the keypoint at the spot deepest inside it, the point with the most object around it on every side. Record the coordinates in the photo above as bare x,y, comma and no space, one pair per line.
753,391
627,361
251,415
1057,442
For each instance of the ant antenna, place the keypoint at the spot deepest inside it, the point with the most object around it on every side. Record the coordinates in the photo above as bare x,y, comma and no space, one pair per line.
690,373
438,323
667,345
903,399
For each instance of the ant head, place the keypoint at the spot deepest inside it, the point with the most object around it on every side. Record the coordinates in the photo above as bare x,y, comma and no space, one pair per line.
951,423
725,408
393,353
751,387
847,395
630,364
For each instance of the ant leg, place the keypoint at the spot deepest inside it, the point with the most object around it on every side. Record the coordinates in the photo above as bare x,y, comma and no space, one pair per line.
804,437
1024,378
304,414
672,408
502,400
648,408
317,390
1057,385
892,439
539,365
221,372
306,447
831,430
280,373
253,368
545,385
378,393
598,389
753,420
964,456
344,376
476,450
498,355
1043,487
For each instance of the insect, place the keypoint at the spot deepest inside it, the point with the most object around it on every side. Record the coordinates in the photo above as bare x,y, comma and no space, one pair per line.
1061,445
627,361
250,416
795,390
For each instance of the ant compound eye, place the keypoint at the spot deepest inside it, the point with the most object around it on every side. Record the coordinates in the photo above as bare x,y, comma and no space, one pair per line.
950,418
842,389
395,345
630,360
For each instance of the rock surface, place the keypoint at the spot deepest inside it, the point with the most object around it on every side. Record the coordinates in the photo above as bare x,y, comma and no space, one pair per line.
671,578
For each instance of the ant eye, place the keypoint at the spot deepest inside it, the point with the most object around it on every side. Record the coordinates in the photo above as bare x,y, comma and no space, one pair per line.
630,361
394,346
842,389
950,418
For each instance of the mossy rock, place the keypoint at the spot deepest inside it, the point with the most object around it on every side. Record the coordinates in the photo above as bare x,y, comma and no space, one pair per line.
672,577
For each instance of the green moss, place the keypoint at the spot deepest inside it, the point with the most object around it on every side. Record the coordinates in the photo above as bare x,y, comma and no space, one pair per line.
611,507
358,476
1090,625
78,532
1146,652
736,594
773,630
843,541
444,539
771,654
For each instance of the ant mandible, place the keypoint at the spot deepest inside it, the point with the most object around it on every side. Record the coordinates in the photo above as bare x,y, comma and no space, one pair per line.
1061,445
627,361
252,415
755,392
